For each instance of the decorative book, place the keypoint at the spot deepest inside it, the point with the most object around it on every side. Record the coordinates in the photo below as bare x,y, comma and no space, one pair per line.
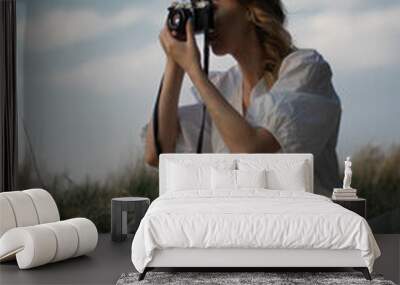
344,193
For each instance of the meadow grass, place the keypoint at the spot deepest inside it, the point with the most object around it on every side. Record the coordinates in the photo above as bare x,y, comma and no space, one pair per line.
376,175
92,199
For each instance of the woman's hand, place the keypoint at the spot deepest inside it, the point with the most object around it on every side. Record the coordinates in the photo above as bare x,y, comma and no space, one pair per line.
185,53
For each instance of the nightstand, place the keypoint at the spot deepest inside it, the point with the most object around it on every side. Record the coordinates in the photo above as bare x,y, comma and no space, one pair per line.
126,214
358,206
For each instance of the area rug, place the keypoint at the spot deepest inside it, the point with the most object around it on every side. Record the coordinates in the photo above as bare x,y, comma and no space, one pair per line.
243,278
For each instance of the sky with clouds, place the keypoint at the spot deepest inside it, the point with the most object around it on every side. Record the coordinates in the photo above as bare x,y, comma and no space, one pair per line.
88,73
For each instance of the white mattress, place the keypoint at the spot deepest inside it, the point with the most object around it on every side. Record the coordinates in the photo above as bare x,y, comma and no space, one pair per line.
253,218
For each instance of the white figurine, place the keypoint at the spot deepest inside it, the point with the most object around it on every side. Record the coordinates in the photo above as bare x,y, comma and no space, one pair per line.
347,174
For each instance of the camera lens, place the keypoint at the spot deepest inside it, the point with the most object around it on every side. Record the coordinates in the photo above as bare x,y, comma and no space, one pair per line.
176,21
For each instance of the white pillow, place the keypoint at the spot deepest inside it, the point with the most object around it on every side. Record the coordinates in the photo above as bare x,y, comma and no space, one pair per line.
227,179
251,178
281,175
289,179
223,179
181,177
190,174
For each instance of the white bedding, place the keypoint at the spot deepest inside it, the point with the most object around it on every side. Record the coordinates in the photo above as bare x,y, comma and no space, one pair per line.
251,218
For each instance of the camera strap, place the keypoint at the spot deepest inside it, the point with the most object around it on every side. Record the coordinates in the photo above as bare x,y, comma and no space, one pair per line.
155,119
206,56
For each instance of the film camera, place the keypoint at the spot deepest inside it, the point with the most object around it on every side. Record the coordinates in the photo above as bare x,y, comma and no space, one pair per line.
201,12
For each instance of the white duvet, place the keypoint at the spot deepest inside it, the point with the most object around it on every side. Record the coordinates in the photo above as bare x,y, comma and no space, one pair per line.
252,218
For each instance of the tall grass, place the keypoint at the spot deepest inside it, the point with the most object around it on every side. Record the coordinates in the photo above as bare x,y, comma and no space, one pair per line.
92,199
376,175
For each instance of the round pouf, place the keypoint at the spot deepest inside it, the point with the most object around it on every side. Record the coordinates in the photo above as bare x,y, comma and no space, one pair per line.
126,214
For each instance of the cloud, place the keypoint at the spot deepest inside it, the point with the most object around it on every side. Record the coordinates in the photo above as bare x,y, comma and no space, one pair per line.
116,72
352,39
64,27
312,6
113,73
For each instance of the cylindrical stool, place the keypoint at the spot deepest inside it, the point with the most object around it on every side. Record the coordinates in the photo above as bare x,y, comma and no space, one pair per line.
126,214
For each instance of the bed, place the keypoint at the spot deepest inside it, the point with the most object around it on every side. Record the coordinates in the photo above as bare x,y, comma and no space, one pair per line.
245,211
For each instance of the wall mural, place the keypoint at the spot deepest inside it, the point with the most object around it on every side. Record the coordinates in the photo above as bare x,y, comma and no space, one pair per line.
88,74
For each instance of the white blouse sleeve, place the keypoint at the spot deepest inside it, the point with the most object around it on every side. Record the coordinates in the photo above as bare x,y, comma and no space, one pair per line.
302,110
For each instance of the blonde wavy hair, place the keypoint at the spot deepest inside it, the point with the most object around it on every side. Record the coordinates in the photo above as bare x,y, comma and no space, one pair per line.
269,19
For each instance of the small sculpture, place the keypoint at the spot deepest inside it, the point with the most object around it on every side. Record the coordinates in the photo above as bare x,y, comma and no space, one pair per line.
347,174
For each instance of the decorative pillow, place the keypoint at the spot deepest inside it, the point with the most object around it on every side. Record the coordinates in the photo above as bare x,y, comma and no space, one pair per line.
223,179
251,178
281,175
289,179
193,174
227,179
182,177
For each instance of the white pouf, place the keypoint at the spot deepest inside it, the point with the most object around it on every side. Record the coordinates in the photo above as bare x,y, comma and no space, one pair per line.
7,220
31,232
45,205
23,209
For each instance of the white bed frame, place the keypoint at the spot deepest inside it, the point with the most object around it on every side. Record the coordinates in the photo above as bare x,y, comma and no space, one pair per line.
251,258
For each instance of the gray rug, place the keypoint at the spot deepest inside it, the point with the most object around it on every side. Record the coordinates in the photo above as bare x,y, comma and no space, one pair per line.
232,278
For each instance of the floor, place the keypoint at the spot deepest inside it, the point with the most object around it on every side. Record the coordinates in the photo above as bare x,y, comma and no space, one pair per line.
389,262
103,266
110,260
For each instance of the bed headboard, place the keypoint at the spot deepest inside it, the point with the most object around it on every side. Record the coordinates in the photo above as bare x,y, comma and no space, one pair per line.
270,157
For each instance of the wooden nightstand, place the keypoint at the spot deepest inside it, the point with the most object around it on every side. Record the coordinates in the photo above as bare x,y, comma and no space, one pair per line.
358,206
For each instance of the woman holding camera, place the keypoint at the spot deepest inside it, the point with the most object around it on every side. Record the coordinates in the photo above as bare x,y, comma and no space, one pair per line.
278,98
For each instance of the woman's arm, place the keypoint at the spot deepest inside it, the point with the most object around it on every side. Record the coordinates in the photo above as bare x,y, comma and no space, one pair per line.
237,133
168,114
